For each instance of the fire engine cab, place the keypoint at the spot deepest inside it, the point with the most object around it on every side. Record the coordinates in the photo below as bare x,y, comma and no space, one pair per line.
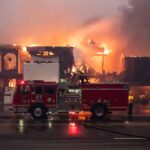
39,98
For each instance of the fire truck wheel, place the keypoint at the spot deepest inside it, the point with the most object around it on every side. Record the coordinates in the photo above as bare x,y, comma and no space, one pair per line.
38,111
99,111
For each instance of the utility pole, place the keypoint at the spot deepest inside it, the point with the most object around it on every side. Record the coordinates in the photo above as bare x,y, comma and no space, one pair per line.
103,60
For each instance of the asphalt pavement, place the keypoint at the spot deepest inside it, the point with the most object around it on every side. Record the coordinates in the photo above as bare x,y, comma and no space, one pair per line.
23,132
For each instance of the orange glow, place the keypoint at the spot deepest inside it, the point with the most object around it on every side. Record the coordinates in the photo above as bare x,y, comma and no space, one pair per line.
147,111
14,44
24,49
100,53
82,38
74,69
106,51
84,48
83,115
32,45
12,83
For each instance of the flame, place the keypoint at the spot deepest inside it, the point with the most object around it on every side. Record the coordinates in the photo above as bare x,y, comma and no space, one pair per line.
106,51
12,83
24,49
74,69
33,45
25,56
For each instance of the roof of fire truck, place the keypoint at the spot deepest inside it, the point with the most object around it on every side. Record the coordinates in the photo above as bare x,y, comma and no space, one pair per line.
105,85
35,82
84,85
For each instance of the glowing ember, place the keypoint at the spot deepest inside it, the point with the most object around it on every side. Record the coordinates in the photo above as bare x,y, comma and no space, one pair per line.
32,45
74,69
147,110
103,52
106,50
100,53
24,49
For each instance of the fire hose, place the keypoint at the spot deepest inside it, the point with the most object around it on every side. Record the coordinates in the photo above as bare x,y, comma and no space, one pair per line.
114,131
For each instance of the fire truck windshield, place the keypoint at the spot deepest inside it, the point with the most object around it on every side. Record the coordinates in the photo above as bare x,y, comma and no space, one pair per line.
24,89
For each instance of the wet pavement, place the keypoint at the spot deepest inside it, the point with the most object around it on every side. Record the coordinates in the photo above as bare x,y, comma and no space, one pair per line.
27,133
22,132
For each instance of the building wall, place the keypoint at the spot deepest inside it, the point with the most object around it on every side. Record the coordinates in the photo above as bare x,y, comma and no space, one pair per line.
137,70
9,64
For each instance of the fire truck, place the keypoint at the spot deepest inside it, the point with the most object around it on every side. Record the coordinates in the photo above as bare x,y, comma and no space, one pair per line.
39,98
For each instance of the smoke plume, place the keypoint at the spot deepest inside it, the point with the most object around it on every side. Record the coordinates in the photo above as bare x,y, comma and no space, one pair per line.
126,33
136,26
31,21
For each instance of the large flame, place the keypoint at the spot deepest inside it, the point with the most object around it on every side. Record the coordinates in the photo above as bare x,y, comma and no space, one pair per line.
125,35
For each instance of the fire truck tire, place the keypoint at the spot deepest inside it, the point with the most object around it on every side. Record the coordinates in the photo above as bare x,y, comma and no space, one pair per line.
99,111
38,111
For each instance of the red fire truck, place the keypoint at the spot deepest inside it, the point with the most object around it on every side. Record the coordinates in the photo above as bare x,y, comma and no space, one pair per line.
39,98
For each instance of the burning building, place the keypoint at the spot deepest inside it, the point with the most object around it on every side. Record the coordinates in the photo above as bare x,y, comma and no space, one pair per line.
12,58
62,55
10,66
10,63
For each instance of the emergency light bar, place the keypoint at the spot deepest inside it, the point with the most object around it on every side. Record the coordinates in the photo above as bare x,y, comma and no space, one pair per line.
29,81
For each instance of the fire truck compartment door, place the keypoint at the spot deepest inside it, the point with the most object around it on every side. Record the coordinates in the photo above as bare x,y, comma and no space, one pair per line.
24,95
49,95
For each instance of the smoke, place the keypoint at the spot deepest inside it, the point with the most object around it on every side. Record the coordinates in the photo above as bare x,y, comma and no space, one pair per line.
136,26
100,30
126,34
26,22
42,22
47,22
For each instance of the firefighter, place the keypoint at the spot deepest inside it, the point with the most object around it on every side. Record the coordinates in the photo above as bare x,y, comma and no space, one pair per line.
82,77
130,105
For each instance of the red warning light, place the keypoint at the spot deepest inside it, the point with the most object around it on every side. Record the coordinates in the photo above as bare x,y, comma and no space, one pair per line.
73,129
22,82
72,113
